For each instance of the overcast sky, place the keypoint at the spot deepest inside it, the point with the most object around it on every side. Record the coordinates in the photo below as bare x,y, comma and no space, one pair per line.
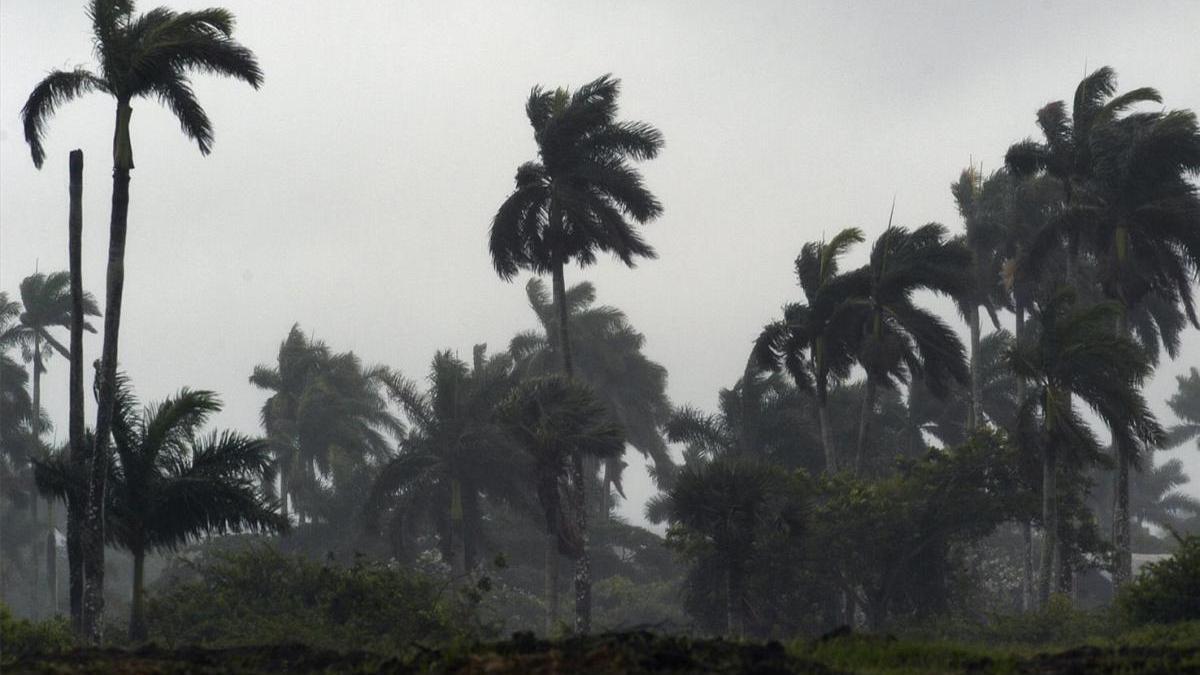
353,192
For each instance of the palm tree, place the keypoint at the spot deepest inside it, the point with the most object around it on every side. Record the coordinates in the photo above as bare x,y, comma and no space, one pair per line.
760,418
1185,403
172,484
607,352
981,203
144,56
946,420
1076,354
815,341
557,420
324,406
1140,217
726,503
577,201
899,339
48,302
453,453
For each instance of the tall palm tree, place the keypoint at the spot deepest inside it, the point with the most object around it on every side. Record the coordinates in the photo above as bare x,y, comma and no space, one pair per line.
556,420
1140,217
607,353
981,203
1185,403
816,341
48,303
576,202
147,55
899,339
1076,354
172,484
453,454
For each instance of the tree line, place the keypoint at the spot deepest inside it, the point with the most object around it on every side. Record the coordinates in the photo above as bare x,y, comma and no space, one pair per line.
789,516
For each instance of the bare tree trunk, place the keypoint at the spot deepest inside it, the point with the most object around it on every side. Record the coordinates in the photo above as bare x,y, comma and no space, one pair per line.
78,453
92,541
284,486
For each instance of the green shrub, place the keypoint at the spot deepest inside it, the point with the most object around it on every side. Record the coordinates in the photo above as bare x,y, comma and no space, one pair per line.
1166,591
21,637
261,596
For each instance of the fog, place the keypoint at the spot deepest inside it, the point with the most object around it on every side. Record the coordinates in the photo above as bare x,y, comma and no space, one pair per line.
353,193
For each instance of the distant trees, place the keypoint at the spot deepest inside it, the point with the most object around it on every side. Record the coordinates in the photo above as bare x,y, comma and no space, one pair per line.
576,202
1185,403
607,352
326,410
145,56
452,454
556,421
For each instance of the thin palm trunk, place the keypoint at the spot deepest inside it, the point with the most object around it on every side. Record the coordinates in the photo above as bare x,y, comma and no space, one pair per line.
1122,553
51,558
283,490
1048,571
78,452
36,428
92,542
137,607
975,412
826,432
551,582
583,564
864,423
1027,585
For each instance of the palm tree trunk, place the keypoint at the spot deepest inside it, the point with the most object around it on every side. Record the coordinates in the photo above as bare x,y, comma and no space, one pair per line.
36,427
1123,553
975,411
826,432
78,452
93,530
864,423
1026,566
551,582
457,563
283,490
137,607
471,527
1048,571
51,558
583,564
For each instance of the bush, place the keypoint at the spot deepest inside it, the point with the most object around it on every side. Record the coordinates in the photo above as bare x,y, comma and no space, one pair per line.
21,637
261,596
1166,591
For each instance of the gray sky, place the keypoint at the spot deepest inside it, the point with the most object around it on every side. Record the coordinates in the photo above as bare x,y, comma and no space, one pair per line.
353,193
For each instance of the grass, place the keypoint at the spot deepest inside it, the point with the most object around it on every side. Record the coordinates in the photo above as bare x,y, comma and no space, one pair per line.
1151,650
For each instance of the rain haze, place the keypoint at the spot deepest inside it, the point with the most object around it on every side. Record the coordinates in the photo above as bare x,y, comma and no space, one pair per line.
353,193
